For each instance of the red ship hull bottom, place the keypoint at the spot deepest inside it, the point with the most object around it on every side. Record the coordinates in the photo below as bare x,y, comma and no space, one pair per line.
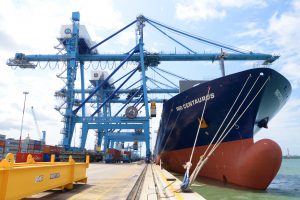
243,162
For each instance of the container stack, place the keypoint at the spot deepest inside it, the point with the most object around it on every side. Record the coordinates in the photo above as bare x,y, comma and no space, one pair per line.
2,146
135,156
31,146
126,156
112,155
49,149
11,146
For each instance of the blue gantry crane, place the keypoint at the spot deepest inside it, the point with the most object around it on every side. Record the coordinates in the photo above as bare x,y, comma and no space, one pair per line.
127,123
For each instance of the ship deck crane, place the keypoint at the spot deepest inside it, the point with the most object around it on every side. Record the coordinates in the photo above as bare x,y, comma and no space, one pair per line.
117,126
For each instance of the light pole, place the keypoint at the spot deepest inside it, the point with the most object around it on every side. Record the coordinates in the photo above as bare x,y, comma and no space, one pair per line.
25,93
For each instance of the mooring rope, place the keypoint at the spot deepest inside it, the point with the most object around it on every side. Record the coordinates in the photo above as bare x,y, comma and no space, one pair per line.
228,124
188,165
188,182
199,127
201,162
243,112
173,125
238,96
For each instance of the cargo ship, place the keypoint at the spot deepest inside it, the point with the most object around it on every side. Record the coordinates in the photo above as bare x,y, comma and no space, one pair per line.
240,105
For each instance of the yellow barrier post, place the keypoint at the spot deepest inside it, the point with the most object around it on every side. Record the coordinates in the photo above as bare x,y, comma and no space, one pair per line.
87,161
52,158
5,164
30,159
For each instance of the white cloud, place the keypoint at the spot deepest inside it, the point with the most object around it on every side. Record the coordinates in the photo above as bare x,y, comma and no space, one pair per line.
36,24
284,29
195,10
281,35
31,27
251,32
291,70
198,10
257,37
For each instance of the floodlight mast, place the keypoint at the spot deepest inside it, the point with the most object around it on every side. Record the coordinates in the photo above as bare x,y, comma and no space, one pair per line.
24,104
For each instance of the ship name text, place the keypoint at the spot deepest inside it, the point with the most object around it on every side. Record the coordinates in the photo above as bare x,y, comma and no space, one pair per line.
195,101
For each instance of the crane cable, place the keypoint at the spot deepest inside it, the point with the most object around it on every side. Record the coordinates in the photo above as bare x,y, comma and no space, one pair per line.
172,74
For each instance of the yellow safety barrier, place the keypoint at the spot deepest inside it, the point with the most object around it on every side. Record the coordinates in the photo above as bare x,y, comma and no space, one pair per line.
19,180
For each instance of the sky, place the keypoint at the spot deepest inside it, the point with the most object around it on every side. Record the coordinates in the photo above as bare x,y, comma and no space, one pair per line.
32,26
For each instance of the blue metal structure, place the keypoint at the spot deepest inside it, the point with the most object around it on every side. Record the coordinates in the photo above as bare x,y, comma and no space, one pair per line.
113,126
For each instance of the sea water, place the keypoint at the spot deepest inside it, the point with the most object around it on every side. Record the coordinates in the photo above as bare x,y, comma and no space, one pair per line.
285,186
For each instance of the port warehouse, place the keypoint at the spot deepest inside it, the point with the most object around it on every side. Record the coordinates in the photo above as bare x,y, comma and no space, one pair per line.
42,152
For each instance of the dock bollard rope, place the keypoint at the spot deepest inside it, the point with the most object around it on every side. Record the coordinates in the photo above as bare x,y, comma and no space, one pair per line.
186,180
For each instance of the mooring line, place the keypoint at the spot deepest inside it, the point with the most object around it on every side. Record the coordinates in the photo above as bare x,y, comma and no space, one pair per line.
201,162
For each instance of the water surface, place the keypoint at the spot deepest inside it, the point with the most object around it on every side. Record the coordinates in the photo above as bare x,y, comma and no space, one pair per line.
285,186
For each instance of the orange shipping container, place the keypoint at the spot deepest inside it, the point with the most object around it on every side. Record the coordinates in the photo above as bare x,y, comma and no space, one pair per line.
46,149
53,149
22,157
2,143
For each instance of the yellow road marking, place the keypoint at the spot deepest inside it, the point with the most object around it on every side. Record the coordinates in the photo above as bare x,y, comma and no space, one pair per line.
177,195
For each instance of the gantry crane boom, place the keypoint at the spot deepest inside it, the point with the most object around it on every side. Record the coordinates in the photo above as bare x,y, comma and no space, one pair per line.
78,52
153,58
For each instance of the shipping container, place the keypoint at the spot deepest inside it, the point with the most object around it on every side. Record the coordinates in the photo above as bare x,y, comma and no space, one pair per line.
128,153
126,156
37,142
30,146
53,149
37,147
11,141
2,143
12,146
22,157
46,157
60,149
135,145
46,149
2,137
112,155
11,149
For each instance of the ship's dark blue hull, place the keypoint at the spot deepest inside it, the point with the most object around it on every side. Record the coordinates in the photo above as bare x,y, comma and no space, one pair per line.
257,95
179,122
